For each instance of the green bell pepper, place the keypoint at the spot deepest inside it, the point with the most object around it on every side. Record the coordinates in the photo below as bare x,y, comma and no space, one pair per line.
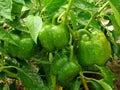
92,48
64,69
25,48
54,36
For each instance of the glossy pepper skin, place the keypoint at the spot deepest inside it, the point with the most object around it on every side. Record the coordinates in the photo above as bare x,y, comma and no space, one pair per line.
64,69
54,36
25,47
93,48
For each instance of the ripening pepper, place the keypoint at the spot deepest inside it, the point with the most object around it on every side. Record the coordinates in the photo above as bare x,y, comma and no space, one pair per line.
92,48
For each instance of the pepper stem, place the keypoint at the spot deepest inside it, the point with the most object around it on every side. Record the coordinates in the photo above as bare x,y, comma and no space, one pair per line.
52,77
10,74
71,53
84,81
70,30
80,33
93,16
50,57
67,11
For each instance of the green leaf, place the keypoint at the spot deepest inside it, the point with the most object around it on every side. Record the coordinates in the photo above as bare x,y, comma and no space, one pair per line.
18,25
108,75
83,18
45,2
16,9
76,85
116,31
19,1
28,4
5,8
115,5
51,6
5,36
73,18
30,79
85,5
34,24
105,85
2,20
115,36
96,85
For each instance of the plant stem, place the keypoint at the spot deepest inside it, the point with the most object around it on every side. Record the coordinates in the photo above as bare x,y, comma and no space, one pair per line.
104,5
65,18
98,2
50,57
92,72
70,30
43,9
83,81
10,74
71,52
53,81
90,20
67,10
93,16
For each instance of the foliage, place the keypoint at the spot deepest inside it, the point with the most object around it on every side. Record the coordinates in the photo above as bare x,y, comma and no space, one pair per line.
23,21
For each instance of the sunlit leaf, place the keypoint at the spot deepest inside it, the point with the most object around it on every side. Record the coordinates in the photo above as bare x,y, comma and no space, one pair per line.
105,85
34,24
5,8
85,5
51,6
